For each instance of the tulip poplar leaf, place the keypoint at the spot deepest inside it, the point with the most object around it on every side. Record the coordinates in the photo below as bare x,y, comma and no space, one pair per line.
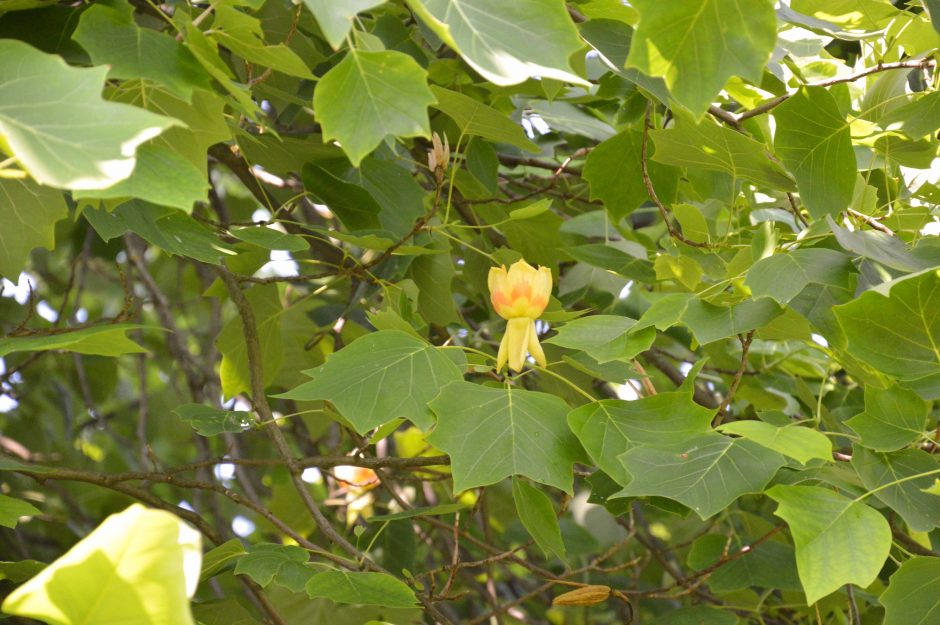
800,443
506,42
608,427
697,45
901,477
893,418
79,142
709,146
138,566
913,595
29,213
493,433
369,96
706,473
361,588
814,141
838,541
379,377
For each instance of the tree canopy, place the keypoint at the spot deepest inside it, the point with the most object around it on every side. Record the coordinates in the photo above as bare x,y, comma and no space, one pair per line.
252,338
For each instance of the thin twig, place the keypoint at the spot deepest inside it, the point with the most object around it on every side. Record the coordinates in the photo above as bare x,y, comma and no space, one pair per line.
745,346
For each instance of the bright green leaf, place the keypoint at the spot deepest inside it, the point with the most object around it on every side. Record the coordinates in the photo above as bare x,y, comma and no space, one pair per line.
506,42
697,45
800,443
271,239
369,96
138,566
53,119
336,17
838,541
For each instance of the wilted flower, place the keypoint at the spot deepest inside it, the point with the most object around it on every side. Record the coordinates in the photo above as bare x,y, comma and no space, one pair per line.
520,295
438,157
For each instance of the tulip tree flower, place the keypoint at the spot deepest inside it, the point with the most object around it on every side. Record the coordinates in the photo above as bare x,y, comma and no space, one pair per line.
519,295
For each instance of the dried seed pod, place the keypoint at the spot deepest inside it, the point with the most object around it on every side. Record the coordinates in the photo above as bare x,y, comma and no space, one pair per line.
586,595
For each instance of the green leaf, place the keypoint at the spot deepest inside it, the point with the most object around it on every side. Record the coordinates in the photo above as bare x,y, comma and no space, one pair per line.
336,17
537,514
265,303
709,322
896,330
444,508
361,588
161,177
613,259
781,277
241,33
698,615
506,42
838,541
611,170
53,119
893,418
772,564
20,571
865,15
604,337
913,595
271,239
476,118
29,213
209,421
101,340
706,473
711,147
379,377
607,427
221,558
493,433
916,119
12,509
369,96
893,474
138,566
162,226
879,246
110,36
353,204
815,143
697,46
800,443
285,565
